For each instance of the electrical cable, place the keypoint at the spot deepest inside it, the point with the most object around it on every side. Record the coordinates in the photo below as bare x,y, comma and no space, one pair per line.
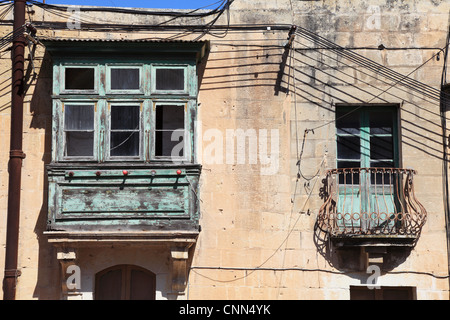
64,12
360,71
133,11
363,61
369,64
6,11
397,81
61,11
11,37
368,74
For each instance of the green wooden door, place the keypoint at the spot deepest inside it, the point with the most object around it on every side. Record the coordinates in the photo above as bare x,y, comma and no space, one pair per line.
366,150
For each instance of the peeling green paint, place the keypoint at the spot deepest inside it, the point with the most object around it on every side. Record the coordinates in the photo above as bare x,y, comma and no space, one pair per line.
153,198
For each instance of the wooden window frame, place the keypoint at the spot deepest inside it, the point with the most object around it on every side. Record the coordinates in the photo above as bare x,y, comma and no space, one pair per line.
142,73
61,136
155,67
354,190
187,141
103,97
107,135
365,131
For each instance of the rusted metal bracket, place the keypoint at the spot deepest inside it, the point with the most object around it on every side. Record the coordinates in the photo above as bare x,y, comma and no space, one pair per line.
13,273
287,50
17,154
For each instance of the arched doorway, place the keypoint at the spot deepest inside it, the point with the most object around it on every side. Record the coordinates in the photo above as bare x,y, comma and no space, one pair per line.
125,282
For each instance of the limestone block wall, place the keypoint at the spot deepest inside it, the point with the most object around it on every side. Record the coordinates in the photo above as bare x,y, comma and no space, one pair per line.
281,258
257,214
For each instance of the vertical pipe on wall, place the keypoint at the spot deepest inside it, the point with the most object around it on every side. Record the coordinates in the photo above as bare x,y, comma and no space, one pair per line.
16,154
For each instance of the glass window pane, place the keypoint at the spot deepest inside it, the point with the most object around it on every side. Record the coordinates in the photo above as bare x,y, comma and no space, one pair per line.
125,79
169,117
381,148
80,78
382,178
381,122
79,117
165,147
124,144
169,79
348,122
124,117
79,144
382,164
349,178
348,147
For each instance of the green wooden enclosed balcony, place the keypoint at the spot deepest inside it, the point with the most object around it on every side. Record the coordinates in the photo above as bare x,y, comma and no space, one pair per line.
123,147
372,204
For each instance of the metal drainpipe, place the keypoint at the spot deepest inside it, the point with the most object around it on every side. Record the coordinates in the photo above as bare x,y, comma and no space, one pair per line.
16,155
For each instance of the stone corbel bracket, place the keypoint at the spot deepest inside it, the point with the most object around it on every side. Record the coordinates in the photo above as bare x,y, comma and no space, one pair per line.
178,244
67,257
179,259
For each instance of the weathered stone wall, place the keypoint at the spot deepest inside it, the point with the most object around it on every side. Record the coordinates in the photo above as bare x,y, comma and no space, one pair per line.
275,253
257,239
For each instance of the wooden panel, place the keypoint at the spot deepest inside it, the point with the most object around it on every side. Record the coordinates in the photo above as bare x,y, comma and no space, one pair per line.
109,285
102,197
142,285
110,201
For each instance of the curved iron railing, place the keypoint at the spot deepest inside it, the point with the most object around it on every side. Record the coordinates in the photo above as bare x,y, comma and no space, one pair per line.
371,201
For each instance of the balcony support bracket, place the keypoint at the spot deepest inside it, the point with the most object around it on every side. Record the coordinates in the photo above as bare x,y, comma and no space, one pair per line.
70,273
179,260
372,256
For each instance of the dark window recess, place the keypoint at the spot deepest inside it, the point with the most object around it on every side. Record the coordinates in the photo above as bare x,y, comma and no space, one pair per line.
349,147
365,138
381,123
169,79
125,131
169,131
381,178
125,282
348,122
79,130
347,177
79,78
125,79
381,148
383,293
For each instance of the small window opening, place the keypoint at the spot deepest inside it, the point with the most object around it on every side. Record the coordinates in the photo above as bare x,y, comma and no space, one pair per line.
125,79
79,78
169,79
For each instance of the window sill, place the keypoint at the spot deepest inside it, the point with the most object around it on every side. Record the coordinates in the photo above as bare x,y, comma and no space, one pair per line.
138,237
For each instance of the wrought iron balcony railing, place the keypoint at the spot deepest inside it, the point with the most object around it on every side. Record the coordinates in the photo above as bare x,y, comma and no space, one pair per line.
371,202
